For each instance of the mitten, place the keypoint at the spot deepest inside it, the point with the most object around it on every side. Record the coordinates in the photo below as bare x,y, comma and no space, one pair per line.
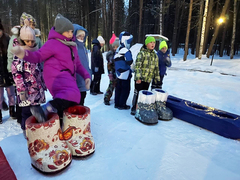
18,51
96,69
110,76
168,62
87,83
23,95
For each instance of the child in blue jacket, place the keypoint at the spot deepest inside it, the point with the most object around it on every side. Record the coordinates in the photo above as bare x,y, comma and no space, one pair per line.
164,62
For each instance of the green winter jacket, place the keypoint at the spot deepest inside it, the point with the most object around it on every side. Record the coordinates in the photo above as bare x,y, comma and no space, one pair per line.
146,66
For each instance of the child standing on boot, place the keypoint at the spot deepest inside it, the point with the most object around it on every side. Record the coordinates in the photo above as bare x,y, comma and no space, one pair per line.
164,62
27,76
146,69
5,81
61,63
97,65
81,34
114,43
123,60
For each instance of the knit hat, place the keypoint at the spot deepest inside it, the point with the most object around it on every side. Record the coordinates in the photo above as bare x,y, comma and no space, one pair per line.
125,39
80,32
27,33
101,40
116,42
149,39
112,38
62,24
1,26
162,45
28,17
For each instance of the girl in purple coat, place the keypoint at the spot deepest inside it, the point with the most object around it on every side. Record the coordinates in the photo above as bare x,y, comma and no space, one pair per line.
61,63
27,76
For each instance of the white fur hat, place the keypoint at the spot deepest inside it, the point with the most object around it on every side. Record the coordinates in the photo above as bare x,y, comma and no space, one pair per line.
101,40
80,32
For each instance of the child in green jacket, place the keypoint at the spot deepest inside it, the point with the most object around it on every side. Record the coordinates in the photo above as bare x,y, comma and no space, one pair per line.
146,69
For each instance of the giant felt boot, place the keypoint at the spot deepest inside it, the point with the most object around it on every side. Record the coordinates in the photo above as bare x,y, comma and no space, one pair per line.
164,113
146,110
47,148
76,130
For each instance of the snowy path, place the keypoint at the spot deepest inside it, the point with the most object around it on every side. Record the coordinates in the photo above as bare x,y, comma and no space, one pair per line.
127,149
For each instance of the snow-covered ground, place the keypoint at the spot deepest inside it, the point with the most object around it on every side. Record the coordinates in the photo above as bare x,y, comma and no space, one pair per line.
127,149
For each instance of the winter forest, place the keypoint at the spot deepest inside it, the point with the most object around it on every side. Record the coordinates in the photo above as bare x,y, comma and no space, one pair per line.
203,26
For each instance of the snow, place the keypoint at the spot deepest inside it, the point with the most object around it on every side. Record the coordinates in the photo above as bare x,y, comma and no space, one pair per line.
128,149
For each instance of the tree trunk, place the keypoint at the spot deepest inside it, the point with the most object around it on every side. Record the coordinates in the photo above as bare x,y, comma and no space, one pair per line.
175,28
161,18
234,29
114,16
223,40
140,20
217,28
203,30
188,30
199,28
208,22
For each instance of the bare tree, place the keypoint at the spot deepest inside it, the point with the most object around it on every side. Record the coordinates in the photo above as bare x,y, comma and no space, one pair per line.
188,30
203,30
199,27
217,28
140,19
208,22
234,29
161,18
175,28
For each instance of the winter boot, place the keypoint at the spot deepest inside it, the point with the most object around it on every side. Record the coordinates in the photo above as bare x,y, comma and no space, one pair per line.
41,112
106,102
134,102
12,112
1,116
76,130
146,110
19,114
164,113
92,89
48,150
4,106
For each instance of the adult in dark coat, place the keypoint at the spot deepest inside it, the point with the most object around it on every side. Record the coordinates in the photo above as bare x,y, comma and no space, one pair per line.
5,81
97,65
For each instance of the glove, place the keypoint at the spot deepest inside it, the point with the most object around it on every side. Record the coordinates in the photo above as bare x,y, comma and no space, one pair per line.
18,51
168,62
96,69
87,83
23,95
110,76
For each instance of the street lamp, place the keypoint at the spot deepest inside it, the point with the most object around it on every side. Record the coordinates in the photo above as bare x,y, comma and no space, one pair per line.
219,22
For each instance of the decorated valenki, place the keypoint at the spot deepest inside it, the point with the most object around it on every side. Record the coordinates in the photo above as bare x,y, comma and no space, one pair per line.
146,108
47,148
77,132
164,113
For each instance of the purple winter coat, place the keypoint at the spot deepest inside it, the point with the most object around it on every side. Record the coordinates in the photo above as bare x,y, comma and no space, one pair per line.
60,67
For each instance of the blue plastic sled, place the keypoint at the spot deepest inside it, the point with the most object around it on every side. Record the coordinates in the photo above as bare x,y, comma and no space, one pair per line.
220,122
